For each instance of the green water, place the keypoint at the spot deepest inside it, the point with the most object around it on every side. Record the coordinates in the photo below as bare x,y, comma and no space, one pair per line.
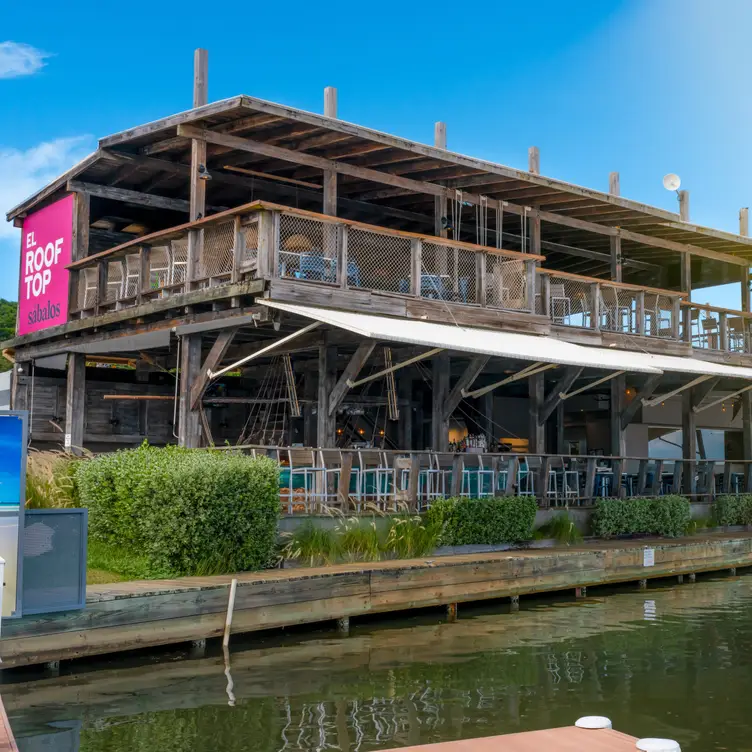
669,661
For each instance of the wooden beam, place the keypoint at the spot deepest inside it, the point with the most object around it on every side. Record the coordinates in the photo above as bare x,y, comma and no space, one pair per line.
418,186
615,242
744,221
330,177
616,406
465,381
439,202
189,420
629,412
200,77
75,403
213,359
684,205
358,360
564,384
536,434
129,197
439,394
533,160
326,420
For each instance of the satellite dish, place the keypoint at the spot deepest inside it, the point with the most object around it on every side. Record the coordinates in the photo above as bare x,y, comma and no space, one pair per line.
671,182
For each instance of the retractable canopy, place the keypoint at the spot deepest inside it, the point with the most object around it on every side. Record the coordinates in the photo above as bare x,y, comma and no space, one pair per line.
507,344
468,339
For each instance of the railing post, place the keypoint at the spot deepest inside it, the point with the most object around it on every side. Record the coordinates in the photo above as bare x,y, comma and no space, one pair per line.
144,271
530,284
238,248
676,317
513,466
724,343
102,270
544,283
416,265
640,297
342,260
480,277
268,252
590,479
595,294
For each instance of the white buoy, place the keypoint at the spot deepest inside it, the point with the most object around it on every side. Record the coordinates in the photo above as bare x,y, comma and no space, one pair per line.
658,745
593,722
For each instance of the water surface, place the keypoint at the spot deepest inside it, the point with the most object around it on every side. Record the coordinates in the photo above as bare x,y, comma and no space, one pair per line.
670,661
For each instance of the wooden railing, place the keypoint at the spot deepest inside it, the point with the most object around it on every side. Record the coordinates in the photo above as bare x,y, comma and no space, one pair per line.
267,241
314,480
603,305
719,329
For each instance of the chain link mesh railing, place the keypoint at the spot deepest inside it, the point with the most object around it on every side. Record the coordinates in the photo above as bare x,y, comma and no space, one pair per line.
705,329
659,315
570,301
618,309
378,261
448,273
308,249
506,283
249,259
87,294
216,251
114,287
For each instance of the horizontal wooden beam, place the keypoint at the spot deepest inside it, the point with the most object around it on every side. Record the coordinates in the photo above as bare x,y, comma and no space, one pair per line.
130,197
419,186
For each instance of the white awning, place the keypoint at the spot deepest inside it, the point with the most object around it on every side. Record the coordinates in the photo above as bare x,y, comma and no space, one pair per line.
508,344
470,339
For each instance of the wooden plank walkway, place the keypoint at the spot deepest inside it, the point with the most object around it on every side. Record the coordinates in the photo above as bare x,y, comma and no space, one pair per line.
566,739
130,615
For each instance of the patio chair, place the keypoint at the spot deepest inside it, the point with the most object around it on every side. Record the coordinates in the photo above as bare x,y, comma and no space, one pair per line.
331,461
377,477
304,464
132,283
477,480
559,303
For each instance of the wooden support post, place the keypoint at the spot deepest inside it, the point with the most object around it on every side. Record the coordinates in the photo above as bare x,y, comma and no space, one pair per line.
642,584
686,286
486,408
615,240
689,439
642,477
144,272
439,202
413,484
560,428
452,612
309,398
326,421
457,468
353,368
692,577
533,160
590,468
680,578
330,177
343,626
345,473
230,611
197,207
617,386
514,603
732,571
580,592
189,421
75,403
212,363
469,375
439,394
80,244
684,206
537,431
744,221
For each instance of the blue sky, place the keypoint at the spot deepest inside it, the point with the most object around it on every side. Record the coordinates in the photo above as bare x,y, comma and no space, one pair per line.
644,87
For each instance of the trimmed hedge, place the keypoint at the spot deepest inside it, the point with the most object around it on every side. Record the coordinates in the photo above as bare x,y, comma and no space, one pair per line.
187,511
733,510
492,520
662,515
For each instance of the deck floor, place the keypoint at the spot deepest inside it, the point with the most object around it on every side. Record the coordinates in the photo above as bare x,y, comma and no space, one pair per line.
566,739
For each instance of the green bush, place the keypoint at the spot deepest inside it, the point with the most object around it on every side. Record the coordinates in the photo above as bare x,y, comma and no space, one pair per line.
187,511
493,520
662,515
733,510
562,528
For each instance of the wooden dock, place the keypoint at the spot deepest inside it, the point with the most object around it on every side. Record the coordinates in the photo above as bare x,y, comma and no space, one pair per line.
7,740
565,739
131,615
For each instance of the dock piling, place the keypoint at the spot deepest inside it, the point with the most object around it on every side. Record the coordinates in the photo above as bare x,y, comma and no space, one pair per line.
580,592
452,612
642,584
230,609
343,626
514,603
692,577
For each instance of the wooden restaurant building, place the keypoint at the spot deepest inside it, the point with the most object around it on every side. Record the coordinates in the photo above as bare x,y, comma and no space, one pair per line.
247,273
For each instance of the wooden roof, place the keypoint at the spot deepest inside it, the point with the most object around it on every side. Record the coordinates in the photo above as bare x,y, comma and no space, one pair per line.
153,158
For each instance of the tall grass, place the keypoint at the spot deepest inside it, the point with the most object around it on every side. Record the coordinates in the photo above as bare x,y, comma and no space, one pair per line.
50,482
561,528
401,536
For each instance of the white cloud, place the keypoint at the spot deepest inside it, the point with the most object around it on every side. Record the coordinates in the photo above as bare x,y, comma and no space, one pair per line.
29,170
18,59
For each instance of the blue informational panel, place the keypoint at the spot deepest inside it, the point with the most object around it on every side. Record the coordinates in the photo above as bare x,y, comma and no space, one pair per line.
13,441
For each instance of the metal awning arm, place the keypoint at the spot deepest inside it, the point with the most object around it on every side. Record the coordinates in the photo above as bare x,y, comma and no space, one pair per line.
391,369
264,350
597,382
653,401
700,408
530,370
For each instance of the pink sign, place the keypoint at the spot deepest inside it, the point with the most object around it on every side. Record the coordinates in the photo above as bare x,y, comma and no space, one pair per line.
45,252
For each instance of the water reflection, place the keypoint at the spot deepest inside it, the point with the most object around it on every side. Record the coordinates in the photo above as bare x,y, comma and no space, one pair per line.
671,662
